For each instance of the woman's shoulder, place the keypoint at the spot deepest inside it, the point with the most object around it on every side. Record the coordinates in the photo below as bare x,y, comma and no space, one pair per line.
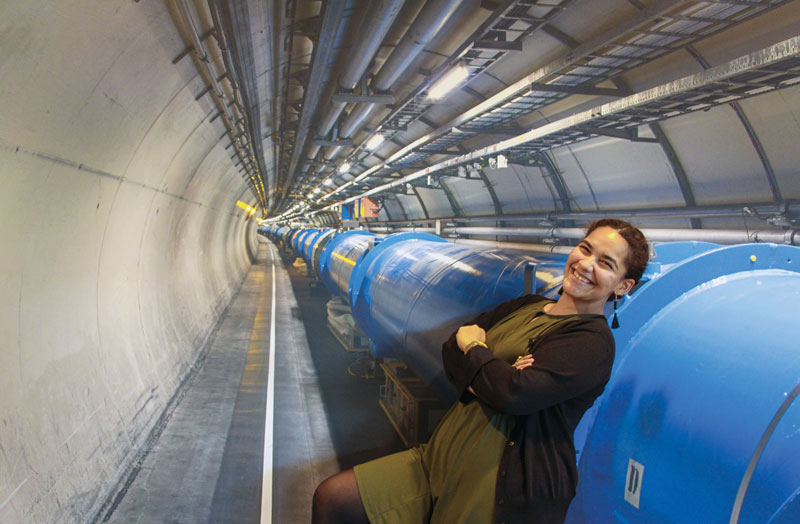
593,327
525,300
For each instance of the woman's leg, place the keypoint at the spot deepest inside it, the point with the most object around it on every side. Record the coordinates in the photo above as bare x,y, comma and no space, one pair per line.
337,501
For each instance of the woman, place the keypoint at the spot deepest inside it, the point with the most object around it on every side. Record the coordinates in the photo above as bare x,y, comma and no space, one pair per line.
526,372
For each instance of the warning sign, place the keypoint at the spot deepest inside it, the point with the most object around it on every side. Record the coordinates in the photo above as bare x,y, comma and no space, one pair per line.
633,483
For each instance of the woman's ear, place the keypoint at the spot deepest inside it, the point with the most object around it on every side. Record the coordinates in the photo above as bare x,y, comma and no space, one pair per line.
624,286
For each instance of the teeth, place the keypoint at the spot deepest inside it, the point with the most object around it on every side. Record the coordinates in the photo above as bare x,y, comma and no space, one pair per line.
581,277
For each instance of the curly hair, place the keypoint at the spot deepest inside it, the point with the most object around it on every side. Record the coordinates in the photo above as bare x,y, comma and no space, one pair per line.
639,252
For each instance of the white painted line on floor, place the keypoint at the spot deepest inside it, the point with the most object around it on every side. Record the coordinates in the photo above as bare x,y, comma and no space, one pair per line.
269,415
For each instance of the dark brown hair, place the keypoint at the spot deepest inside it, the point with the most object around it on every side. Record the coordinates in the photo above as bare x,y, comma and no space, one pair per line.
639,252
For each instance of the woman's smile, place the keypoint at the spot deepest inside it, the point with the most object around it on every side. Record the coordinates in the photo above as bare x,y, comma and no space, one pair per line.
580,277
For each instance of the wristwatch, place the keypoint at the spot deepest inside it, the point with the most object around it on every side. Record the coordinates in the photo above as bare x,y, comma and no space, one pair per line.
475,343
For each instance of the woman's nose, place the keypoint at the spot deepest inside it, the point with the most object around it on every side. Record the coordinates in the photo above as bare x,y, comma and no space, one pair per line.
586,264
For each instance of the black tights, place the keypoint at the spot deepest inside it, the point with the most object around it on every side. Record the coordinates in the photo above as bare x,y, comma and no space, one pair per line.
337,501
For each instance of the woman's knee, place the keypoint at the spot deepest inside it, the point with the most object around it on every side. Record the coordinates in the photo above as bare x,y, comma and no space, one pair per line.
337,499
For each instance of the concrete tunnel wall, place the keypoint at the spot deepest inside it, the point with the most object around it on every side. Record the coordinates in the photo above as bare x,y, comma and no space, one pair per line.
121,244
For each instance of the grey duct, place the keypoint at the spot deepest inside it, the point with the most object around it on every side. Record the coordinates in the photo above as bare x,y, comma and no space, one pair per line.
784,210
375,28
521,246
719,236
332,17
426,25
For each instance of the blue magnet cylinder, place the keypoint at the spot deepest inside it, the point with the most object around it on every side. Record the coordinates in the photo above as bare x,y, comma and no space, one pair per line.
303,240
312,242
308,241
297,242
339,257
280,233
317,247
412,290
288,239
700,421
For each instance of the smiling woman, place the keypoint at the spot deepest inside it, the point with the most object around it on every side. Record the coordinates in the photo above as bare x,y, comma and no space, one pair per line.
526,372
611,249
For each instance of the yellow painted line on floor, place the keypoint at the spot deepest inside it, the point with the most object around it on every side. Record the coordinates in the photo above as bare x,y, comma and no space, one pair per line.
269,414
344,259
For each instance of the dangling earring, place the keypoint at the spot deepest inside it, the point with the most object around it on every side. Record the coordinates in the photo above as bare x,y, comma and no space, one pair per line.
615,322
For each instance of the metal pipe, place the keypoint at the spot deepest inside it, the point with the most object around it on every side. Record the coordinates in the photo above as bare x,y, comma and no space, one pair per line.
719,236
426,25
521,246
788,208
376,26
189,22
331,21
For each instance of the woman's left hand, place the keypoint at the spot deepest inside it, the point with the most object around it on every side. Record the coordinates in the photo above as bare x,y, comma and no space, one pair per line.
523,362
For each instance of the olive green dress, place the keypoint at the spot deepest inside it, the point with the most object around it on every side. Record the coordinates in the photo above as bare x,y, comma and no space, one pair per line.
451,479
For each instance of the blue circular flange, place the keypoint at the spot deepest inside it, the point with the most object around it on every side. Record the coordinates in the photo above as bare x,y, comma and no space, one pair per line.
330,247
360,271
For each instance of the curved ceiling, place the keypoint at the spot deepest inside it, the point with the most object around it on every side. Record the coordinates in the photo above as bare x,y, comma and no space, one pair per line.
598,106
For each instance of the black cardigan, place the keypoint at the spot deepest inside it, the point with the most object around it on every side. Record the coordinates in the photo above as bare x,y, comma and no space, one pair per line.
538,475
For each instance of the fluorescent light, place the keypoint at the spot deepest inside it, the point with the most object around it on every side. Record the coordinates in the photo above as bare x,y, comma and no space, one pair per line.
374,142
448,82
344,168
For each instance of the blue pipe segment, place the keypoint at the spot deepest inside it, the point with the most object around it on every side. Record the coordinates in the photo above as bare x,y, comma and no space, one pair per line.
413,289
298,240
302,239
307,244
340,257
317,247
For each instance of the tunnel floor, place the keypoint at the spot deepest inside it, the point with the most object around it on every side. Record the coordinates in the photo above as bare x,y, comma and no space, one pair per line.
207,464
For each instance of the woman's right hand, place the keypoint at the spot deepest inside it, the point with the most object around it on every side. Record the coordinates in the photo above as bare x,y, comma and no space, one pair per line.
470,333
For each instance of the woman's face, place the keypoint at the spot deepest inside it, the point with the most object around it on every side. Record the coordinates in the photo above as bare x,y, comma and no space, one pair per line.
595,269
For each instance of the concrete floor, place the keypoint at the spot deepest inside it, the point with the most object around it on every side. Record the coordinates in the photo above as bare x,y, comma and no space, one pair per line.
206,466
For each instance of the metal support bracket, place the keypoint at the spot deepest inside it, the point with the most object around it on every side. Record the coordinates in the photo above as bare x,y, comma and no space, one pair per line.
348,98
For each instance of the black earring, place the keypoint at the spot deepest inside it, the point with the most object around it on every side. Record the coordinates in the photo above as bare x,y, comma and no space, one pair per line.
615,322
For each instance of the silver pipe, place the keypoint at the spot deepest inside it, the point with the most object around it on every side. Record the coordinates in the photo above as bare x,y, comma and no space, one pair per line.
380,229
330,23
790,208
426,25
189,21
718,236
725,236
522,246
332,151
376,26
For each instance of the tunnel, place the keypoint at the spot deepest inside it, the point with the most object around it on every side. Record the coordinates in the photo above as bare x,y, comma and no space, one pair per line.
236,235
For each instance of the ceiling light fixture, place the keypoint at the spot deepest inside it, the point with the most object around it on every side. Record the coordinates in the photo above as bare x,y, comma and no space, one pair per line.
344,168
374,142
448,82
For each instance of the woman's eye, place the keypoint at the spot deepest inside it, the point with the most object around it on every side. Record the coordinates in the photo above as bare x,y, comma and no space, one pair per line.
584,248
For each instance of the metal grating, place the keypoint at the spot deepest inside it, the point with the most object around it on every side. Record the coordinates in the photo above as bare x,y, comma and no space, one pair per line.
774,67
663,34
737,87
509,26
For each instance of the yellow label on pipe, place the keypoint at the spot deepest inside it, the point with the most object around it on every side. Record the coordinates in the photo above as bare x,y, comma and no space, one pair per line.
345,259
